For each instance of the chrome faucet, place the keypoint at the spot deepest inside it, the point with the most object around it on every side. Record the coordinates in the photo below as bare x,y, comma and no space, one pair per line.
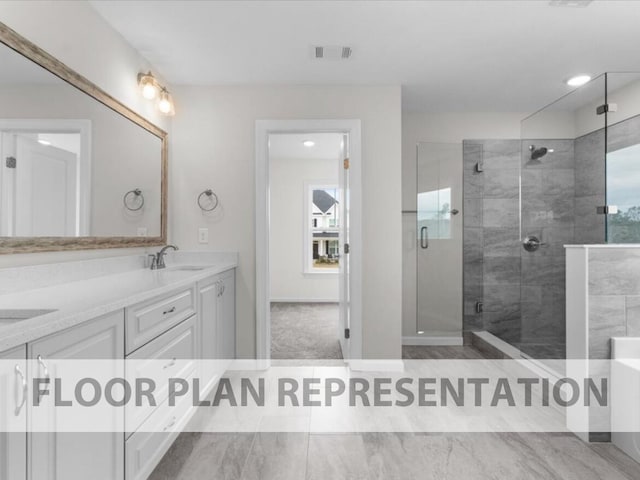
157,260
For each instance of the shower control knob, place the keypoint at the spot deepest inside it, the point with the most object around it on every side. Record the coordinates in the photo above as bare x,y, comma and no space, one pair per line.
532,243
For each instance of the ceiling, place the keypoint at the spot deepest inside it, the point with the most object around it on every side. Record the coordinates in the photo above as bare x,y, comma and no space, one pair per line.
447,55
328,146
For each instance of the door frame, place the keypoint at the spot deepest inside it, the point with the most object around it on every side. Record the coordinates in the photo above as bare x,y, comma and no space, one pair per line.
80,126
264,128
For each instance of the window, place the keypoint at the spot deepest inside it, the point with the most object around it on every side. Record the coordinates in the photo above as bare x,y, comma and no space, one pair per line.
322,236
434,212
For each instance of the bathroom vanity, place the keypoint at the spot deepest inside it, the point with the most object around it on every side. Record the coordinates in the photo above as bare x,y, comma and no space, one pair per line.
170,317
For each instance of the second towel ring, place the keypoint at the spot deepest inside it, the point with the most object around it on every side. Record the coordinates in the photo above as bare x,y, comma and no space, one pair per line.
137,195
213,200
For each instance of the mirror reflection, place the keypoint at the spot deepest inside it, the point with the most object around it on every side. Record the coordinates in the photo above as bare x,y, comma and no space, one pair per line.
68,162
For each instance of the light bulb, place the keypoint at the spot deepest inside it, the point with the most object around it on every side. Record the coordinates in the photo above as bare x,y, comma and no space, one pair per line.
148,85
165,103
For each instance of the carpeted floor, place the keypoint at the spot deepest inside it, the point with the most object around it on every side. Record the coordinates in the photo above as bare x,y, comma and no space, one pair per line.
304,331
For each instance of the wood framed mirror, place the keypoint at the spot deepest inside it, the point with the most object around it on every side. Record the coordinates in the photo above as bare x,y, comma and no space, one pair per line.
79,170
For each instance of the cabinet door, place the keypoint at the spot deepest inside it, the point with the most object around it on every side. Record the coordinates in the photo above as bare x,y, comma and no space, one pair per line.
77,456
13,417
227,316
208,296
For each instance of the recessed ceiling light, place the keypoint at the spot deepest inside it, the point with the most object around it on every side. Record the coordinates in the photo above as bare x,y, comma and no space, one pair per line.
578,80
44,142
309,143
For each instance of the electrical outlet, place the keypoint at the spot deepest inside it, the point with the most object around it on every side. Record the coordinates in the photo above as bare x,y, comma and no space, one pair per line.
142,231
203,235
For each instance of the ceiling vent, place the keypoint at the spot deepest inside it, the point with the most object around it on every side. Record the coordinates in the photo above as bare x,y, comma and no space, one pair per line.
331,52
570,3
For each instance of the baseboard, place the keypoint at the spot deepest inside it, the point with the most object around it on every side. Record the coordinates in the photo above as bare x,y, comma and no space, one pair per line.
377,365
433,341
304,300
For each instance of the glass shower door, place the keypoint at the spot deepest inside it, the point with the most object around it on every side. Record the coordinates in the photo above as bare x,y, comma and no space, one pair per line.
562,180
439,240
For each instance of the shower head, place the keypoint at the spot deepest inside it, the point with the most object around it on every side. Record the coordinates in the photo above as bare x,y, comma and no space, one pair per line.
537,153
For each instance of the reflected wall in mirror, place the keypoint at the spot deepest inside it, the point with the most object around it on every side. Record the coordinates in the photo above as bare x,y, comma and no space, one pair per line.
69,154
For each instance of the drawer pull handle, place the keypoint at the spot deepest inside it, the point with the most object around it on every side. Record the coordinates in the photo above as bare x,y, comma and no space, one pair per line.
170,364
171,310
173,422
23,383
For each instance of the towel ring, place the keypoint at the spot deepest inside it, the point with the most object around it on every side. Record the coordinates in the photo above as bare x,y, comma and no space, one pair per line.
213,199
137,195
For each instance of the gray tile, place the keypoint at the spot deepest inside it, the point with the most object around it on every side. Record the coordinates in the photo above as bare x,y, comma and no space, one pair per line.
614,272
569,458
501,270
504,325
501,154
395,455
501,298
633,316
558,182
590,164
547,211
472,294
502,242
501,212
194,456
277,455
588,235
473,245
337,457
606,320
586,214
503,183
472,272
472,212
538,269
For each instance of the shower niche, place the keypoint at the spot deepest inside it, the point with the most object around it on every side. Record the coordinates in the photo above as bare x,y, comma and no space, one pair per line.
572,178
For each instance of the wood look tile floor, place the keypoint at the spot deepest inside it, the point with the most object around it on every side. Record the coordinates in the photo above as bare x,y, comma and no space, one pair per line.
394,456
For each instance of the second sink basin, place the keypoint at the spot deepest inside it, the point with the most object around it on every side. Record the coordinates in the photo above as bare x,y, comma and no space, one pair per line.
9,316
187,268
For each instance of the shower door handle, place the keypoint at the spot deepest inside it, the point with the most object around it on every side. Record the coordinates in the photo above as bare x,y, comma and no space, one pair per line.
424,237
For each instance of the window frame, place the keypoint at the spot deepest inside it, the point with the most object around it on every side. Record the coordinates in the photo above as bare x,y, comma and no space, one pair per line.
307,262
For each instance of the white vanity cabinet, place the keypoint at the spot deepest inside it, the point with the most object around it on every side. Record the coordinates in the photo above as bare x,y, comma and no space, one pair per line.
76,456
216,306
13,414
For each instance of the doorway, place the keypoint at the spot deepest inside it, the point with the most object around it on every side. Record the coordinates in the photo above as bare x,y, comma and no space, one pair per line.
306,215
308,230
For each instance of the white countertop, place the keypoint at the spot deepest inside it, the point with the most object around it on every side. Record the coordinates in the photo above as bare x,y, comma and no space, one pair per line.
78,301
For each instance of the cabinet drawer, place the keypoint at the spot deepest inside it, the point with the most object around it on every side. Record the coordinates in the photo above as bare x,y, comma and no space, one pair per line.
145,448
150,319
172,355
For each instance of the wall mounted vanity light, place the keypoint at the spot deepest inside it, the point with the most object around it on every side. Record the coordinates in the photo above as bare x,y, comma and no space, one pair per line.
152,90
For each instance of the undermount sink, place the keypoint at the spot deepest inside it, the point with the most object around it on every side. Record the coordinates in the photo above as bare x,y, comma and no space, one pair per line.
9,316
187,268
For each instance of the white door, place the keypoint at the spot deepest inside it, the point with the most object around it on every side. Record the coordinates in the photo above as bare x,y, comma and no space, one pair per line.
439,228
344,322
46,190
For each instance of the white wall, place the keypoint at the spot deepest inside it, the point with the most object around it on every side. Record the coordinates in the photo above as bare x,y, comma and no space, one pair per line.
446,128
287,177
214,135
73,32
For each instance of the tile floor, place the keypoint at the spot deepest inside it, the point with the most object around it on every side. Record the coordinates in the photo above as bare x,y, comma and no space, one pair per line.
392,456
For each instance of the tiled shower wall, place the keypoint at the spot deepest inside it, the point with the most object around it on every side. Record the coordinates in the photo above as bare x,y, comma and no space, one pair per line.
522,292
